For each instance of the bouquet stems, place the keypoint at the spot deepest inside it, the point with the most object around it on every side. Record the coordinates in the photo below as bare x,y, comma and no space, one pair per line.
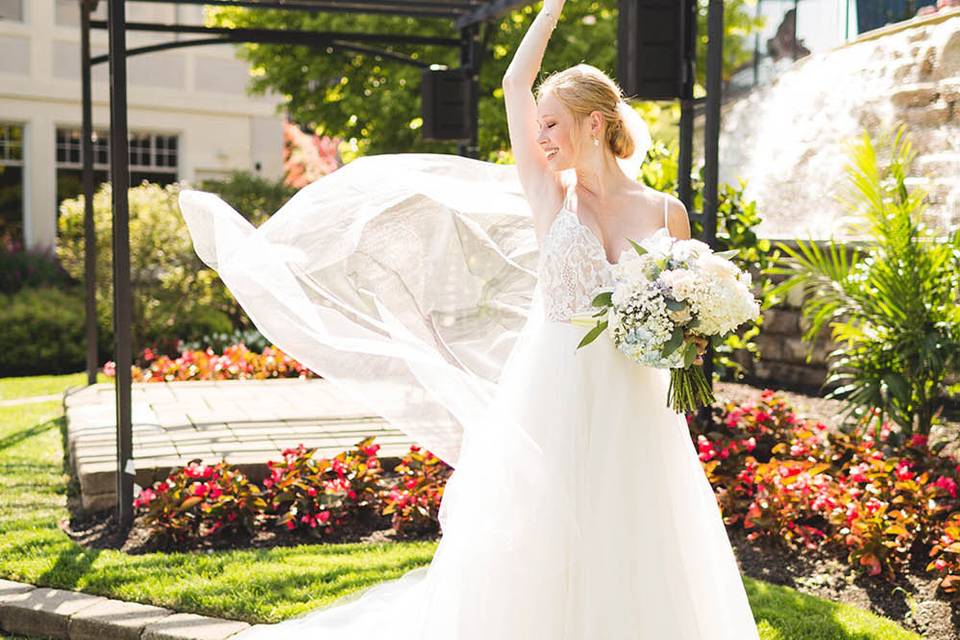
688,390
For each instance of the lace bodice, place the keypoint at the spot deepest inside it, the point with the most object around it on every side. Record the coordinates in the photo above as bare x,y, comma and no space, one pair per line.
573,265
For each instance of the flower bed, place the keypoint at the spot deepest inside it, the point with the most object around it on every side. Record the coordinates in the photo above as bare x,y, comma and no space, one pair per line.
869,495
325,498
237,362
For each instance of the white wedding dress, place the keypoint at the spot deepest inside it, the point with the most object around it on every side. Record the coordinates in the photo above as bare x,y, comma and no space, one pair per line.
578,508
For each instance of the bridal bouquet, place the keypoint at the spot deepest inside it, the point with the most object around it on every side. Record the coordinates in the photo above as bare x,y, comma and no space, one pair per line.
665,291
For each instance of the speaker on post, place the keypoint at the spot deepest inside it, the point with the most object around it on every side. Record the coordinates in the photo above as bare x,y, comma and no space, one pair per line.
446,99
655,48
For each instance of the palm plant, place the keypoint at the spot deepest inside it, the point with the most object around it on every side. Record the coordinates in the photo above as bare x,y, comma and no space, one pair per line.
892,306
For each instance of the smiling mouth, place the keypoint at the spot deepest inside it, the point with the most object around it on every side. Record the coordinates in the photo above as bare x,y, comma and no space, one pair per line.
552,153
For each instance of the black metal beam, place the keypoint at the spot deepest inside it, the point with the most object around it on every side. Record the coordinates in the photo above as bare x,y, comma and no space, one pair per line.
490,11
290,37
89,230
335,44
383,7
122,301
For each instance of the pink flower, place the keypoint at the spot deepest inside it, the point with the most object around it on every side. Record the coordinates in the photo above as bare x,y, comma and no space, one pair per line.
947,484
918,440
903,472
323,516
311,491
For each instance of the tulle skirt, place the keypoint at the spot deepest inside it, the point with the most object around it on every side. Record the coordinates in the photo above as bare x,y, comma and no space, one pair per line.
581,513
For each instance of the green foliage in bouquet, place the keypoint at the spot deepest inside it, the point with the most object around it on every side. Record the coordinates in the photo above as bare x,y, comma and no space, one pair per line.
894,307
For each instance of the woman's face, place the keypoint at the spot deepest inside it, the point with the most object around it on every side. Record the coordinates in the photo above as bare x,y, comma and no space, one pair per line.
558,134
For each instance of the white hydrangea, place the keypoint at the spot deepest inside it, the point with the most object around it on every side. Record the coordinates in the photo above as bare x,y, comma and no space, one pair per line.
713,291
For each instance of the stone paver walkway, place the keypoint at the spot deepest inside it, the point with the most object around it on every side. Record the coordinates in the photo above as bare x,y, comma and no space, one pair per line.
245,422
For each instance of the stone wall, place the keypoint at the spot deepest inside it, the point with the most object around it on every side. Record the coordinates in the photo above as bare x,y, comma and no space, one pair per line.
783,352
788,139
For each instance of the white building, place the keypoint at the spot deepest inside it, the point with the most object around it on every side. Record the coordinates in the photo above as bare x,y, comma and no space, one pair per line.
189,115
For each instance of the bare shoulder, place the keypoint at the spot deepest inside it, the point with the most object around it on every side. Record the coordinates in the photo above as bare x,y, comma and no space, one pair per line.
678,222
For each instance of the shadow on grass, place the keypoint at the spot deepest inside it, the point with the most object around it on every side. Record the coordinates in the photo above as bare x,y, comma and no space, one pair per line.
71,564
795,615
17,437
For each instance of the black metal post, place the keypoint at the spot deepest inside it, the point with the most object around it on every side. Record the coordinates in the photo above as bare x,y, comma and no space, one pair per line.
687,103
711,147
470,60
89,231
122,303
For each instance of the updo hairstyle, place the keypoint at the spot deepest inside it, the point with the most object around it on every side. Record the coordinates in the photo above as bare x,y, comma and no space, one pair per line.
583,89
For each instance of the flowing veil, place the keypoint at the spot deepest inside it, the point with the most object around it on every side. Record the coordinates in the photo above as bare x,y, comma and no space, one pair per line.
405,280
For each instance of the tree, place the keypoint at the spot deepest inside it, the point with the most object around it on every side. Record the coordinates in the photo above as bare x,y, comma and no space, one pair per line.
374,103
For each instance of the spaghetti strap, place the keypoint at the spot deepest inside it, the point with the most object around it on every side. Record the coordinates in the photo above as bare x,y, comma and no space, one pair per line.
665,222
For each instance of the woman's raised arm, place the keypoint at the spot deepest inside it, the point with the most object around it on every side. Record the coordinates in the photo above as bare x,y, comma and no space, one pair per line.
540,183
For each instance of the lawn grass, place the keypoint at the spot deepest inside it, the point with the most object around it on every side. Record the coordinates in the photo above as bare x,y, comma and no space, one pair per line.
261,585
11,388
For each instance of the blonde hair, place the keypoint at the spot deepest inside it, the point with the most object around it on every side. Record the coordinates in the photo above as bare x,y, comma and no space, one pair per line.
583,89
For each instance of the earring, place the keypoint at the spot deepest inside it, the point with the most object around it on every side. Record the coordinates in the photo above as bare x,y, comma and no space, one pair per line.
596,142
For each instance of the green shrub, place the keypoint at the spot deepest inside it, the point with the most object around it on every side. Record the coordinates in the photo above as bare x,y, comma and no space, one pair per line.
43,332
254,197
894,309
174,295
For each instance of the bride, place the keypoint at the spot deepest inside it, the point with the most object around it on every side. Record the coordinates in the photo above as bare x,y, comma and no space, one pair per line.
438,290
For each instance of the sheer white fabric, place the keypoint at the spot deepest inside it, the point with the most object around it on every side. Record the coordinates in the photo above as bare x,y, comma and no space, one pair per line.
578,509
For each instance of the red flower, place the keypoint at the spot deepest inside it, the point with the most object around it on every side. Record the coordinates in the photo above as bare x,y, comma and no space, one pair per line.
947,484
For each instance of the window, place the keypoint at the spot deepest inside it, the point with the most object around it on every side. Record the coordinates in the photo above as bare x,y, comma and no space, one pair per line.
153,157
11,10
11,184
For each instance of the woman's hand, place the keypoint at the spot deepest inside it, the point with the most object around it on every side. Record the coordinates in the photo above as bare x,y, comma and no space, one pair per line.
701,343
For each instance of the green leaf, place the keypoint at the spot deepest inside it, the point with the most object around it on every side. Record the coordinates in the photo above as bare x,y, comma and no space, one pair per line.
592,334
636,247
604,299
727,255
674,305
671,345
689,354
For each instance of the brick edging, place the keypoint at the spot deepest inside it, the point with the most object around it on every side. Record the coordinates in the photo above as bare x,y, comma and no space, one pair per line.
71,615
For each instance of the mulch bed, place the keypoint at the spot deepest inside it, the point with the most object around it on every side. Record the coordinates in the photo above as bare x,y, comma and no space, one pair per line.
912,601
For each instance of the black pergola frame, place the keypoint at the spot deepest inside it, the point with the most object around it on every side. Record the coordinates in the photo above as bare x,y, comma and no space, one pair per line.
467,17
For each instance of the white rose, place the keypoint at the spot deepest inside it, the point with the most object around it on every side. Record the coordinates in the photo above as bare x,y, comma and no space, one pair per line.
717,267
680,282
